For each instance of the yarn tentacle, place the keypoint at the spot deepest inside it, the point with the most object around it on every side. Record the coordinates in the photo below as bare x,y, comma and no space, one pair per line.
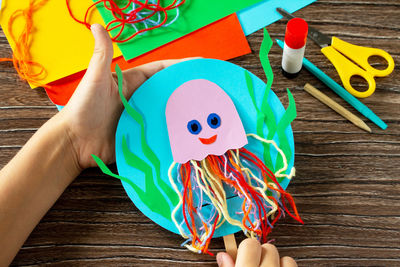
264,201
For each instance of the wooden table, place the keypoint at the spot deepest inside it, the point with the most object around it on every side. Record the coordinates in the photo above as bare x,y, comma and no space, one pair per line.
347,186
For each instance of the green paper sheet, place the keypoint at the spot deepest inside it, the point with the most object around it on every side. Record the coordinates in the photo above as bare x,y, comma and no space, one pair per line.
193,16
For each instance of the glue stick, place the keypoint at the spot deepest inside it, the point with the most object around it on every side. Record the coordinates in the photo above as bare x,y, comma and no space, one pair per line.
295,45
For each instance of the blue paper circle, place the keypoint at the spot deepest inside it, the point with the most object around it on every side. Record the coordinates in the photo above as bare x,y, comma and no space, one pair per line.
150,101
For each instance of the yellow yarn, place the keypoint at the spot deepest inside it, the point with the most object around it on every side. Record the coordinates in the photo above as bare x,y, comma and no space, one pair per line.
211,185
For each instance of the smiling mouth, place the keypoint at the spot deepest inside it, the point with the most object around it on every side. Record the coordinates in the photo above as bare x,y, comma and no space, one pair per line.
208,141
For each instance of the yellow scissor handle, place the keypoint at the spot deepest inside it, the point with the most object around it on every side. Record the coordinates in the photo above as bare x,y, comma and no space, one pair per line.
347,69
361,54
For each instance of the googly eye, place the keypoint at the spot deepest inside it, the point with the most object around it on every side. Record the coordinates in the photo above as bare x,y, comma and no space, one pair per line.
214,121
194,127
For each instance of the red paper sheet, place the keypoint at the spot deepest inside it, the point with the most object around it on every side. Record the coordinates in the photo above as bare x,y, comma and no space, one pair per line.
223,40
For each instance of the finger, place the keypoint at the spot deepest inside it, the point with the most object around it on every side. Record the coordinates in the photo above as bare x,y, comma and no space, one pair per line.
224,260
138,75
269,256
288,262
249,253
102,54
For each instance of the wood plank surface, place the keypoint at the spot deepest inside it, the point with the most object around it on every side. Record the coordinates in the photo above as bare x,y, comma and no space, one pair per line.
347,186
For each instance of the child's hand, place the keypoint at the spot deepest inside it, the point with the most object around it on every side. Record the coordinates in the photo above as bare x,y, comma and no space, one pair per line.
252,254
34,179
91,116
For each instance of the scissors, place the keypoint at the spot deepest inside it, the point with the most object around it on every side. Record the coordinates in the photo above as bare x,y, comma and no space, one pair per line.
348,59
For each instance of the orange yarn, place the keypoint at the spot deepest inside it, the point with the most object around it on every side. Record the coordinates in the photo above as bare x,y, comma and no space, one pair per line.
21,54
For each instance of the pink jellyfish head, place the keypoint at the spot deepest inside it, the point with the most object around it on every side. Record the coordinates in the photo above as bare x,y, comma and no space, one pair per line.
202,120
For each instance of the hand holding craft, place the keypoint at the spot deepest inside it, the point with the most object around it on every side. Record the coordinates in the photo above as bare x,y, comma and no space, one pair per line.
92,113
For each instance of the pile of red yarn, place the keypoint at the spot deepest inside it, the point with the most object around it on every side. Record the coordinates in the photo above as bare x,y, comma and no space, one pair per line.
131,13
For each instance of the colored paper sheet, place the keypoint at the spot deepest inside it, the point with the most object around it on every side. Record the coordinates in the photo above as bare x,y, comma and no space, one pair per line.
193,16
60,44
264,13
212,41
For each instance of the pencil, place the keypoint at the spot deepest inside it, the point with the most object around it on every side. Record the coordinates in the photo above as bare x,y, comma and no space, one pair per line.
336,107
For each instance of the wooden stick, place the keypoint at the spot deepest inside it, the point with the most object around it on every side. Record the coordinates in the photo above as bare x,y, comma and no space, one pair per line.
336,107
231,246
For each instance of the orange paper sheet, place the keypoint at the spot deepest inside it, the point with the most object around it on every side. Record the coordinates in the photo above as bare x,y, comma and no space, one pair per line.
223,40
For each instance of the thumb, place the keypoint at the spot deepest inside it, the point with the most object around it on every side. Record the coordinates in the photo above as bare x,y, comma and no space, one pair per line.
224,260
100,64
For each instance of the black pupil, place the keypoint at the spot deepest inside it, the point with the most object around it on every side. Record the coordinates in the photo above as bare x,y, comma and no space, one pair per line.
214,121
194,127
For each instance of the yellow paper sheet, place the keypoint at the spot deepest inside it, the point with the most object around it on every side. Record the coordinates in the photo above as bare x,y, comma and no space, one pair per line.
60,44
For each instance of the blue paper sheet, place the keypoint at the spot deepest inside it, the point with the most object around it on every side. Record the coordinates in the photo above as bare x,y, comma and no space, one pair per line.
264,13
231,78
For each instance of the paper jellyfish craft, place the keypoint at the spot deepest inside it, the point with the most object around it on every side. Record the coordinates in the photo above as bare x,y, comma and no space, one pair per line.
204,148
207,141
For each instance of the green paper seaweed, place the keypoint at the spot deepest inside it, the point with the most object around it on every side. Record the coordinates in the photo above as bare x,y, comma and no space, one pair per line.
264,51
285,121
157,203
265,114
150,155
159,207
151,192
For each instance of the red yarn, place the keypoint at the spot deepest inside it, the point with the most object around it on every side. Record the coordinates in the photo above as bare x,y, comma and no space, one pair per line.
284,195
187,202
123,17
219,166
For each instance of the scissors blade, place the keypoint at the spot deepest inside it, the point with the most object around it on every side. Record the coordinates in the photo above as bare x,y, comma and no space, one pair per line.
321,39
284,13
